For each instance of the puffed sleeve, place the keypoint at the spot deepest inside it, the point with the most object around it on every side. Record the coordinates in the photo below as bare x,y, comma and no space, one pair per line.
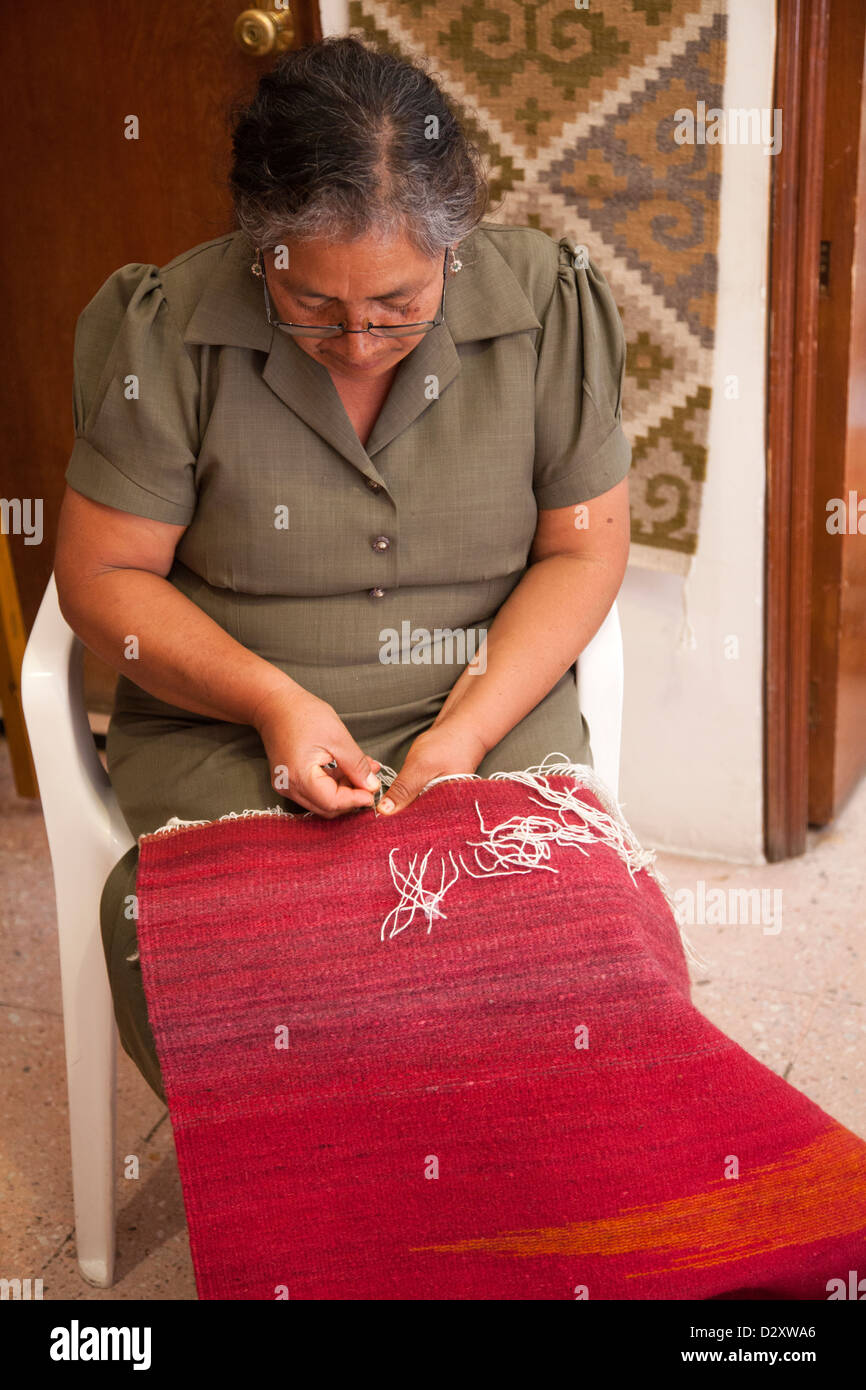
135,401
581,450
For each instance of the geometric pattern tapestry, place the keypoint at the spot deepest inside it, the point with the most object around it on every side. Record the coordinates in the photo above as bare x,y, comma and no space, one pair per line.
574,110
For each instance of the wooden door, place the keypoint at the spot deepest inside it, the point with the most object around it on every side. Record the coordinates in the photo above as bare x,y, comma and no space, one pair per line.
815,655
837,687
82,199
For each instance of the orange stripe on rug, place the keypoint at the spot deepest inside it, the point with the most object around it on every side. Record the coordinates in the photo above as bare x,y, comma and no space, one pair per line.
803,1197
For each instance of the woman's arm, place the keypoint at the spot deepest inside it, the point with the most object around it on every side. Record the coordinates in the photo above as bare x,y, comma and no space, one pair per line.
110,569
573,577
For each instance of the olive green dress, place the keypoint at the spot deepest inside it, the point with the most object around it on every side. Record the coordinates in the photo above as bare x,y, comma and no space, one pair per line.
318,552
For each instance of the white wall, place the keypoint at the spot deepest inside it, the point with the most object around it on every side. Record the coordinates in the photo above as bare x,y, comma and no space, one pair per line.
692,761
692,765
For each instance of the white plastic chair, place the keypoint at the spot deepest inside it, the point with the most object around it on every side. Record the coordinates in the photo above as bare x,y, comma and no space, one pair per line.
87,835
600,682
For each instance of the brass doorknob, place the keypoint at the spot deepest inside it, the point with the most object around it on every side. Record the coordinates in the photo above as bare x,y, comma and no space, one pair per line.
260,32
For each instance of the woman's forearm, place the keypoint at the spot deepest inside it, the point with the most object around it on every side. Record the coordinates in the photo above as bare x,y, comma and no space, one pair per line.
538,633
146,629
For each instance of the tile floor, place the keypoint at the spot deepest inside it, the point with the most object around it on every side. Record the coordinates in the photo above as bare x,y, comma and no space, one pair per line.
794,997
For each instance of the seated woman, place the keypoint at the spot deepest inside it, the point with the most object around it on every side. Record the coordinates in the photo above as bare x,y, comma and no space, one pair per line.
339,497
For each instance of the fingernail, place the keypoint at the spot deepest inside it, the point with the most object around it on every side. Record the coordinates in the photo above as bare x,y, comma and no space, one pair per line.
372,782
386,806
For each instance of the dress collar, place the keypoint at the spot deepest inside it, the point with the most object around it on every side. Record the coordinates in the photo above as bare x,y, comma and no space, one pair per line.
484,300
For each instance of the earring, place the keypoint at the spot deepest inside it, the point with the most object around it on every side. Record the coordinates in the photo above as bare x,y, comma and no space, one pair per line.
455,264
256,269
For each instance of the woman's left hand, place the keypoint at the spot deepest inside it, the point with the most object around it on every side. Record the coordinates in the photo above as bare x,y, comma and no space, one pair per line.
443,748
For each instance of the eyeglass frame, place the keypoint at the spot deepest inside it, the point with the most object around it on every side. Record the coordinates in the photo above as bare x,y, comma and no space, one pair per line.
329,329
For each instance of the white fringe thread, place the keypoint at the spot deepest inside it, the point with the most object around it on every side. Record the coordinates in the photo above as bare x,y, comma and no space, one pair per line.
520,845
523,843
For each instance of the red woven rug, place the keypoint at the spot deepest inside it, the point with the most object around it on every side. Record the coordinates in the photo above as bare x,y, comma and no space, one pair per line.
501,1092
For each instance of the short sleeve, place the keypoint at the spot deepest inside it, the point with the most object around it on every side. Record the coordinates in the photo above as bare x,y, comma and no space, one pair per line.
580,448
135,401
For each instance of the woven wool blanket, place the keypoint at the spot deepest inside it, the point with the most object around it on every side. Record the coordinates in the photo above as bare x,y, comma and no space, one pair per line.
605,122
453,1055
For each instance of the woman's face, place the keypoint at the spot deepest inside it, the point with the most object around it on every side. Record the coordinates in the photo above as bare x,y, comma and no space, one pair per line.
368,280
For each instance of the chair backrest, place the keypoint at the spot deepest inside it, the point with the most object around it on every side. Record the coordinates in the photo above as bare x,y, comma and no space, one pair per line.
600,695
83,821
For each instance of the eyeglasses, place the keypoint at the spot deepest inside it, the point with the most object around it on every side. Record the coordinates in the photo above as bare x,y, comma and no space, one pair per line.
333,330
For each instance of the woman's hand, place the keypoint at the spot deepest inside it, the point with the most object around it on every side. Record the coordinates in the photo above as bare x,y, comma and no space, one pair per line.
301,733
449,746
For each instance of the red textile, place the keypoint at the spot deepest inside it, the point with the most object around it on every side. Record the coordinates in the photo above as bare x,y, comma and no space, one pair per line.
309,1170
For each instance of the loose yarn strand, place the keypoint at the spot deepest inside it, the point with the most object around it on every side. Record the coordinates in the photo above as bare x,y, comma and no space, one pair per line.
522,844
414,896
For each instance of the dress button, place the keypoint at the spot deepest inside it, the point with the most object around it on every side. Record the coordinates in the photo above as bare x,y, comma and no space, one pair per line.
373,485
377,593
381,543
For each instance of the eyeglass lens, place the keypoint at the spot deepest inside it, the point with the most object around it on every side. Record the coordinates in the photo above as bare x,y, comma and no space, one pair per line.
379,330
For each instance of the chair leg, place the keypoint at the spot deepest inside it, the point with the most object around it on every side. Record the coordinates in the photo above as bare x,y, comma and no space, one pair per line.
91,1073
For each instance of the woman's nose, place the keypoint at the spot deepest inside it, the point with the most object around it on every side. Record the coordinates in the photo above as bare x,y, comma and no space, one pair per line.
358,347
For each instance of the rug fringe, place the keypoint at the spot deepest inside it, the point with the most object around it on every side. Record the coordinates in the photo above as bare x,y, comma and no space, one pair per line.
175,822
520,845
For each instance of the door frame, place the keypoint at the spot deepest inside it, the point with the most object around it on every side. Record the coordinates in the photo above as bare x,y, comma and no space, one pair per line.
802,44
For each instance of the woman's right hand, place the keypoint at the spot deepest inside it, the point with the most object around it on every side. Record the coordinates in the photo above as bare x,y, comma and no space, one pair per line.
301,733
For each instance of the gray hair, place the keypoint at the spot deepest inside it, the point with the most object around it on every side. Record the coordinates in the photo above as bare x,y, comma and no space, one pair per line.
341,140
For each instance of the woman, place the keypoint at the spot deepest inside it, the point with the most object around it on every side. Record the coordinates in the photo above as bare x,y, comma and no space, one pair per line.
340,497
